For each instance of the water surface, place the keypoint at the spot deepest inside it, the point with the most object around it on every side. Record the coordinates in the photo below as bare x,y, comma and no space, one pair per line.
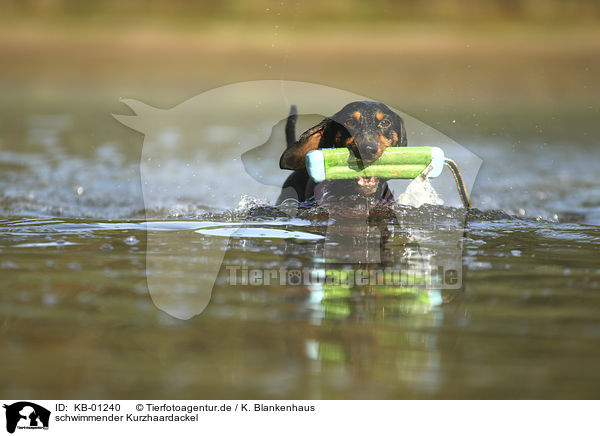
77,318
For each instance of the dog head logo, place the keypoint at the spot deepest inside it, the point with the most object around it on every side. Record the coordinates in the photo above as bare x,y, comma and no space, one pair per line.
220,151
26,415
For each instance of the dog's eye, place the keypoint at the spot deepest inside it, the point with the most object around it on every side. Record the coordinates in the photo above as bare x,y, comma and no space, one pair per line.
385,123
350,122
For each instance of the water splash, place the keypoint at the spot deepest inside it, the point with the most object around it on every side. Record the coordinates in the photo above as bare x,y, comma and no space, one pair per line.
418,193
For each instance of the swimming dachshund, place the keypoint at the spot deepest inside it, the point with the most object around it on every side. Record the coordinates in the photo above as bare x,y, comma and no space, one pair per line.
366,128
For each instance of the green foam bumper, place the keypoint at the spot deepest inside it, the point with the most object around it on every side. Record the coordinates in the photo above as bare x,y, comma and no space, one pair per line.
394,163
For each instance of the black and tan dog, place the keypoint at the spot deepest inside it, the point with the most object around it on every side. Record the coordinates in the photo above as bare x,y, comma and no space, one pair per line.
366,128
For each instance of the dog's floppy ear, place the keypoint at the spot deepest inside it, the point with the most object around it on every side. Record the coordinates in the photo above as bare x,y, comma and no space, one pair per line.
293,157
400,130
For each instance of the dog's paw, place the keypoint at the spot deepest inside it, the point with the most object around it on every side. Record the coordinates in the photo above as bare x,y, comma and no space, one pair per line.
294,277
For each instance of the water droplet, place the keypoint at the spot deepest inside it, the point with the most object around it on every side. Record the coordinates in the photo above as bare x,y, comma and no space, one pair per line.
49,299
131,240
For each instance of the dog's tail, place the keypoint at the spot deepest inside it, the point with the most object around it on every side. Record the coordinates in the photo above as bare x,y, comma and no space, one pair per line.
290,126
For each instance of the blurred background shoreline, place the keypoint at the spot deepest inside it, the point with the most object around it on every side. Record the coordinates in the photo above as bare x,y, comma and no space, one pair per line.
517,69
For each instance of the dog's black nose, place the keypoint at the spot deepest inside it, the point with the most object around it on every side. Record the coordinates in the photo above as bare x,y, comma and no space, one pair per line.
368,151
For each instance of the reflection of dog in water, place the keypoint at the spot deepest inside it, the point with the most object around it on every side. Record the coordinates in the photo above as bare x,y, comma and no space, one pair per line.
25,414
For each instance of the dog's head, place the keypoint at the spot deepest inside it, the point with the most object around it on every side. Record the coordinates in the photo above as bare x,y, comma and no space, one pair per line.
366,128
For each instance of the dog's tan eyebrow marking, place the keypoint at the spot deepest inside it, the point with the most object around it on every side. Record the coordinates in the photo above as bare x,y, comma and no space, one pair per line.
379,116
356,115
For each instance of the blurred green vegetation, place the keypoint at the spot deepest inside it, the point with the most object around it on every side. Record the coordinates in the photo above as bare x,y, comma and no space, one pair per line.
180,12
